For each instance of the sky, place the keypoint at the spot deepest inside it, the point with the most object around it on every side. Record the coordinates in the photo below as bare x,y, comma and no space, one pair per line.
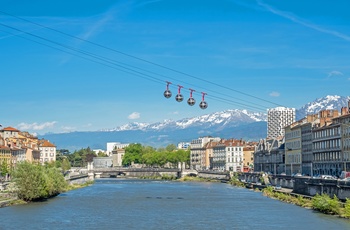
95,65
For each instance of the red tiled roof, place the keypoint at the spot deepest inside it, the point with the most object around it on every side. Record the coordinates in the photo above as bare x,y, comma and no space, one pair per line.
4,147
10,129
46,143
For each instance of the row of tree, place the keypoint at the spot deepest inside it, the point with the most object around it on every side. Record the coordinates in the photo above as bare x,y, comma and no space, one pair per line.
134,153
138,154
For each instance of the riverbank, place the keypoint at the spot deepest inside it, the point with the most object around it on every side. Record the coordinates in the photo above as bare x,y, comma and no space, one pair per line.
7,199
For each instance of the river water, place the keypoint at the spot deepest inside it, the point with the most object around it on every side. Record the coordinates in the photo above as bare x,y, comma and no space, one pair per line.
144,204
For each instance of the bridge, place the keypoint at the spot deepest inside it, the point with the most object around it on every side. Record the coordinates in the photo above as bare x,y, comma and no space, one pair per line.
135,172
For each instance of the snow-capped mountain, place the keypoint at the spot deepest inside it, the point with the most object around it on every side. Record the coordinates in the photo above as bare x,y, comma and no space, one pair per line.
327,102
226,124
219,120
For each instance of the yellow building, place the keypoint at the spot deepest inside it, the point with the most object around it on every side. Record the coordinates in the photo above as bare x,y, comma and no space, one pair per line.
5,155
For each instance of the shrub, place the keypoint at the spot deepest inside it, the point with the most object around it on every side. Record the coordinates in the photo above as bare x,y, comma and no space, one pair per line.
34,182
325,204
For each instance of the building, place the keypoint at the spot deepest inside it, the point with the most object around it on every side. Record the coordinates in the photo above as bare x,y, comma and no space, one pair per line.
9,132
344,121
183,145
209,154
114,145
47,151
5,155
248,157
269,156
228,155
293,148
197,155
277,119
117,156
103,162
326,150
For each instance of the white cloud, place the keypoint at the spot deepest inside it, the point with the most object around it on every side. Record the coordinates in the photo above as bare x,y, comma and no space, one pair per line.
274,94
335,73
35,125
134,115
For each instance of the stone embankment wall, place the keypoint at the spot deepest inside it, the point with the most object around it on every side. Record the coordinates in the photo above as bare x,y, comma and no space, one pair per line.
310,187
79,179
304,185
213,175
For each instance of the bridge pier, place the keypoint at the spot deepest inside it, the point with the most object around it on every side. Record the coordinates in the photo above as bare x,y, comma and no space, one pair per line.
98,175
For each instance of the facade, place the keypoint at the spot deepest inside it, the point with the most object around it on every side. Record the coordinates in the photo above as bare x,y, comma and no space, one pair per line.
17,155
117,156
183,145
248,157
293,148
277,119
47,151
219,157
326,150
344,122
306,149
114,145
269,156
228,155
198,151
103,162
209,154
9,132
5,155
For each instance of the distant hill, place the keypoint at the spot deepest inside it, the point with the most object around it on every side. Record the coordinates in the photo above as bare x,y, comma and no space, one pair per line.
226,124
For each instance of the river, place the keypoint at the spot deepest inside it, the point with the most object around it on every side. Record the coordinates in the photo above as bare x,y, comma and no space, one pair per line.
145,204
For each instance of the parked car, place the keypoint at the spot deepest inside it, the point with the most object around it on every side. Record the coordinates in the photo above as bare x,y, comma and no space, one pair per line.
278,187
298,174
328,177
283,174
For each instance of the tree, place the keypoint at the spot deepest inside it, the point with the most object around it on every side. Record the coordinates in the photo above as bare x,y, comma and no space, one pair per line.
171,148
34,181
4,168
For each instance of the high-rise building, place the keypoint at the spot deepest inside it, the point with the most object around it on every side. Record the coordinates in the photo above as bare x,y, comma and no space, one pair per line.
277,119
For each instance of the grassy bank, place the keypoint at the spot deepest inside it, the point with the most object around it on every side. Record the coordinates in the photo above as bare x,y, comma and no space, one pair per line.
197,179
322,203
77,186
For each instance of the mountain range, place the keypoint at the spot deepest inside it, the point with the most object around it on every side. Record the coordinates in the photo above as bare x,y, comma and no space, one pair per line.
225,124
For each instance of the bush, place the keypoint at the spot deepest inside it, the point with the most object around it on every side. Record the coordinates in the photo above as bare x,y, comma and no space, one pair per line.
35,182
347,208
325,204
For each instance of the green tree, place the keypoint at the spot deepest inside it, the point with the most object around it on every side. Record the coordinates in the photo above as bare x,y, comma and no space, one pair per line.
170,148
133,153
34,181
4,168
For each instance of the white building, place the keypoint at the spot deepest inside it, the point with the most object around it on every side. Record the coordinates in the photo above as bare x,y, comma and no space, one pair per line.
114,145
47,151
183,145
277,119
228,156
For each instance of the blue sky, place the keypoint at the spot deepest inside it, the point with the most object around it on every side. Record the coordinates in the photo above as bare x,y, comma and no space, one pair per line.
246,54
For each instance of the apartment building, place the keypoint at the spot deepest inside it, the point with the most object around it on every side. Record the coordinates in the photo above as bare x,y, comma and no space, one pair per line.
344,121
228,155
293,148
248,157
47,151
269,156
277,119
198,152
